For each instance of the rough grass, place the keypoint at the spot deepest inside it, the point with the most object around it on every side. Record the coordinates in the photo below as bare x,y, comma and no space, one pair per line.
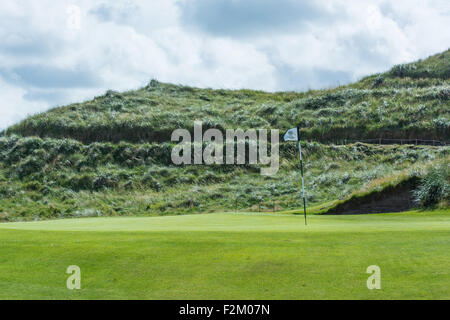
228,256
413,178
50,178
111,156
435,186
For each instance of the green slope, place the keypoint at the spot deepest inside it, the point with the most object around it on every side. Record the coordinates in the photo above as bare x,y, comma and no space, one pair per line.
44,178
111,156
412,103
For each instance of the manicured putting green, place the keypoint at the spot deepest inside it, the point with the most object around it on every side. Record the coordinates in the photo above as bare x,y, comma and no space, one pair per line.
243,222
229,256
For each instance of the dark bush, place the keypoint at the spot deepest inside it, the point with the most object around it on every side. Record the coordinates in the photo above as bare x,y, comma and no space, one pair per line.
33,186
379,80
129,185
29,165
104,181
151,182
83,182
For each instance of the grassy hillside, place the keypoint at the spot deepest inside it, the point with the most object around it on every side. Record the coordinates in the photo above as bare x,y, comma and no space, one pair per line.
433,71
111,155
410,101
50,178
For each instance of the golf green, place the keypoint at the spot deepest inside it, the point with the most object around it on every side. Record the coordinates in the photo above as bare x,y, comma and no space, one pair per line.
229,256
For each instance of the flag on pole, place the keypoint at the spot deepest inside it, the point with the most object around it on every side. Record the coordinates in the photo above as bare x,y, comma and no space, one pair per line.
291,135
294,135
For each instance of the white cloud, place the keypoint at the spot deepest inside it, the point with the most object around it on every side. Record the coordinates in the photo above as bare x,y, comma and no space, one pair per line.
13,106
123,44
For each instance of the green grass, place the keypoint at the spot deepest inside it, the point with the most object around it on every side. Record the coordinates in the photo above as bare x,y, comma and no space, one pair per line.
409,102
229,256
49,178
110,156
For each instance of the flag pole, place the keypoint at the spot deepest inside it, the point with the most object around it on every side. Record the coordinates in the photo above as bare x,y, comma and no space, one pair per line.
301,171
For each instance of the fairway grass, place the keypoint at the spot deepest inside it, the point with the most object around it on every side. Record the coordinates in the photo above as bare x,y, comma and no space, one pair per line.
229,256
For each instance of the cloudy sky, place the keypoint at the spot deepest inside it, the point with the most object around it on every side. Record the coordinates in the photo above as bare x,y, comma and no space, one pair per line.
54,52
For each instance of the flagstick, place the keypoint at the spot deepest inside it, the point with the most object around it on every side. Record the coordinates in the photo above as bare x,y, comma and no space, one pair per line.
301,170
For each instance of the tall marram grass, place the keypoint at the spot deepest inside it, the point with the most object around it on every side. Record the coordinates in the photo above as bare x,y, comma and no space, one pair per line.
111,155
326,116
434,187
60,178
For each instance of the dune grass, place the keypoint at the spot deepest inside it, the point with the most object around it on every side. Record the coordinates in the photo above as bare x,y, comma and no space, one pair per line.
410,101
229,256
47,178
110,156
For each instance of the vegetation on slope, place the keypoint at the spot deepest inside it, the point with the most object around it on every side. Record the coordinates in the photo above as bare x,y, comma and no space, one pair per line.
435,187
52,178
111,155
423,73
425,185
411,103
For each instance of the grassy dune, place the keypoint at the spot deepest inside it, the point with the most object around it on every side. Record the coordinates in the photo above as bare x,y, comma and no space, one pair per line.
409,101
110,156
48,179
229,256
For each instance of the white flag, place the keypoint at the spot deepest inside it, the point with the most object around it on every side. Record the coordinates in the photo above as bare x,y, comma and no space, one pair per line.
291,135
